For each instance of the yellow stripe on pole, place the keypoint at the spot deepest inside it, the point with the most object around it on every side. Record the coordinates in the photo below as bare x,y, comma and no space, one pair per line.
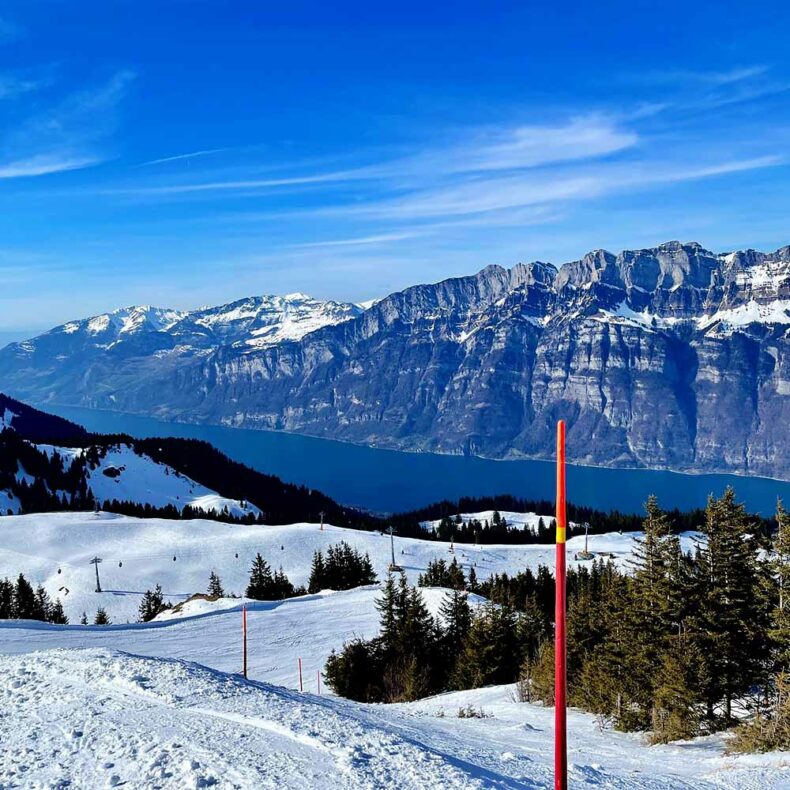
560,534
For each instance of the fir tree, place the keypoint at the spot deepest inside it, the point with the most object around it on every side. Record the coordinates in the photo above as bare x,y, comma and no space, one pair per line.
215,586
732,615
57,614
261,580
84,619
676,712
152,604
780,566
7,611
24,600
101,617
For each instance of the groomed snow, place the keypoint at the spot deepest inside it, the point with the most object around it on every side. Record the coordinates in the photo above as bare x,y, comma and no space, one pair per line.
137,554
528,521
101,718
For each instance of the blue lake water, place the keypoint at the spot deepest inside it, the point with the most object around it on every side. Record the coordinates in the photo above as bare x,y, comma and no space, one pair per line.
385,480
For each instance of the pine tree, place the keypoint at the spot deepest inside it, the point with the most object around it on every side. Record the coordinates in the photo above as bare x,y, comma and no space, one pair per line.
6,600
84,619
24,600
780,565
261,582
456,618
215,586
676,713
152,604
57,614
317,574
43,605
732,614
101,617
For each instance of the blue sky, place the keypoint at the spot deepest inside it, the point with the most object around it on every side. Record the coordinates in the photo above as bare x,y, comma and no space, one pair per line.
183,153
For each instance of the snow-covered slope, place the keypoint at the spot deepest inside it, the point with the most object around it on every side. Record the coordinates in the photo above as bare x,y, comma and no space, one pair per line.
280,632
254,322
99,718
527,521
124,475
138,554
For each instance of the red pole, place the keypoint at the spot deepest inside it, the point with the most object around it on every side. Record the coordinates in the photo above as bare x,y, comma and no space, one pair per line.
560,701
244,638
301,687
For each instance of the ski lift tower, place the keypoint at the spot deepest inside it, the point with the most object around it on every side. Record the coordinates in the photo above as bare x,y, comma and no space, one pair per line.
95,562
393,566
586,554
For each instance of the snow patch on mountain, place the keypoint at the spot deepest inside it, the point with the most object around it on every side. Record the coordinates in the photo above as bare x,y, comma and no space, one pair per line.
526,521
124,475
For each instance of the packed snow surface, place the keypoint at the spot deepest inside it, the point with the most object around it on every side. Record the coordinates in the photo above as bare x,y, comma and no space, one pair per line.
102,718
162,705
527,521
54,549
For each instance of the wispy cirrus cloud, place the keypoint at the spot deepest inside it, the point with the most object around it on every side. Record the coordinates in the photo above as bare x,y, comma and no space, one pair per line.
181,157
481,150
44,164
68,135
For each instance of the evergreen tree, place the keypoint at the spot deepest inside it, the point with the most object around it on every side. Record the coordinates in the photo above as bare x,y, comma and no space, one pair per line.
24,600
43,605
780,566
678,692
101,617
732,613
261,582
7,611
215,586
490,655
84,619
57,615
152,604
456,618
317,574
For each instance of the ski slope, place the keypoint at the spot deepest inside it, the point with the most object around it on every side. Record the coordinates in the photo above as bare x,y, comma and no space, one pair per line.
526,521
100,718
54,549
279,633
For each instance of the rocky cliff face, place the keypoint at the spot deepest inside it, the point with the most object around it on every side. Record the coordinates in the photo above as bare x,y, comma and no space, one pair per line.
671,357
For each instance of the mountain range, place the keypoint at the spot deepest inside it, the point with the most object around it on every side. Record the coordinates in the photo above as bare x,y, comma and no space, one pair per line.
670,357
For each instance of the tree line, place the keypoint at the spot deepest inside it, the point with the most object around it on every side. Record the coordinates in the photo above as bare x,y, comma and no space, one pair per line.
669,645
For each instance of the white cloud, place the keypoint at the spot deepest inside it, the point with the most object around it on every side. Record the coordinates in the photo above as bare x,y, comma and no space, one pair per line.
44,164
178,157
67,136
13,85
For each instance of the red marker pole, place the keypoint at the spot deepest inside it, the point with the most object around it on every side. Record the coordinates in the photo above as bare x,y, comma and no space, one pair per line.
244,639
301,686
560,688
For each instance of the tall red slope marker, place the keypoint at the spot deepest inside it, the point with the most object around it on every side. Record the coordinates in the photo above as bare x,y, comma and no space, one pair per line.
560,681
